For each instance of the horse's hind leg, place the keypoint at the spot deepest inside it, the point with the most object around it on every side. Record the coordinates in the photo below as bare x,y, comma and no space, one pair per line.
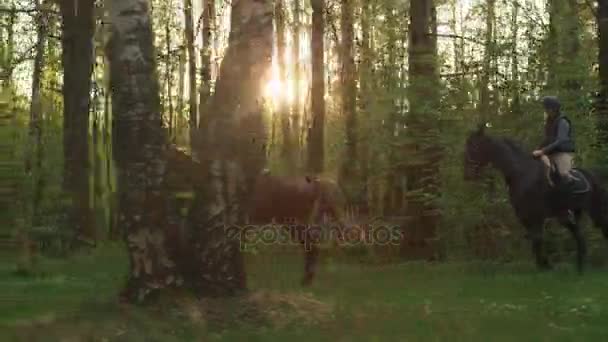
575,230
600,220
598,210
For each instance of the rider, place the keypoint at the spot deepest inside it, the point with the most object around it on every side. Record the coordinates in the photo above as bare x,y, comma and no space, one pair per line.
558,145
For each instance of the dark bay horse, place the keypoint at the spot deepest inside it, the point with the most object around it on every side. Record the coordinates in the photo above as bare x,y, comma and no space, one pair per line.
297,203
530,194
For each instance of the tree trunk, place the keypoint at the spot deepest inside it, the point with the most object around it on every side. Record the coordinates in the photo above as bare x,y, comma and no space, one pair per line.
316,151
77,58
181,77
365,94
515,104
484,92
169,81
602,108
349,172
287,148
192,108
35,125
391,81
206,51
139,149
7,58
563,52
424,152
297,70
234,147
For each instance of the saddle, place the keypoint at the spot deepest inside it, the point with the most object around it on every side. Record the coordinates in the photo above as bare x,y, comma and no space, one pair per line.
579,185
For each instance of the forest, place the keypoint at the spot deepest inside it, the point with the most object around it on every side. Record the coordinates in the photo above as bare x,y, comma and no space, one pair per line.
353,170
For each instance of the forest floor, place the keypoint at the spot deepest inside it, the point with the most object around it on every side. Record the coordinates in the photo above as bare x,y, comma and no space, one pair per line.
75,299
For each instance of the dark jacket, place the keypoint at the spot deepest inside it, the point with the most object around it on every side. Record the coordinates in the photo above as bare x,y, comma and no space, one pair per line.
558,135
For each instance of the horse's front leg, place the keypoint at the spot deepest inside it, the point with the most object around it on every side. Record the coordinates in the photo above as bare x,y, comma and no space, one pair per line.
308,238
535,233
311,256
575,230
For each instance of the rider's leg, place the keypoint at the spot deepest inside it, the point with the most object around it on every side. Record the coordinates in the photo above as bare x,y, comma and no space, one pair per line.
563,163
547,163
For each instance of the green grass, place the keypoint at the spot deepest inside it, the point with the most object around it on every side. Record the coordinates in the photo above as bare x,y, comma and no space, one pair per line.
75,300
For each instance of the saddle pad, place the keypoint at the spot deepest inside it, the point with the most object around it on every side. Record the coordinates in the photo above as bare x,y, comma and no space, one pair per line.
581,183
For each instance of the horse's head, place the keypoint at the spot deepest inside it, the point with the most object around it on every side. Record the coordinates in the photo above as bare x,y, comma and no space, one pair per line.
476,154
330,197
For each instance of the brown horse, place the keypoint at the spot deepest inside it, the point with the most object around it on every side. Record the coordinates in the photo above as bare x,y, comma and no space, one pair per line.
298,203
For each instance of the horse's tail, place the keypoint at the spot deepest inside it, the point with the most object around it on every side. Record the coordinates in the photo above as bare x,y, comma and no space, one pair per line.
599,203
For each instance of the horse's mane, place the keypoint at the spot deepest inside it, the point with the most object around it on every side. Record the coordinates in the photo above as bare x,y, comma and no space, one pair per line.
514,145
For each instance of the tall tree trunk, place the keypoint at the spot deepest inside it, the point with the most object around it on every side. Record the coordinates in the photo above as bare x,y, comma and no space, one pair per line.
192,108
348,172
602,104
316,151
181,77
287,148
77,58
7,63
563,53
234,146
139,149
297,72
366,93
169,81
484,92
602,101
391,80
515,104
206,52
423,162
572,50
35,125
552,45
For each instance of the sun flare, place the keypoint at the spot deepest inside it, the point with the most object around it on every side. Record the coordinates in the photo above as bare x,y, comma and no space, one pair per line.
281,87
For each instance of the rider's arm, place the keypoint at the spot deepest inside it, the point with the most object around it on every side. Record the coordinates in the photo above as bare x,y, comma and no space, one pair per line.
562,136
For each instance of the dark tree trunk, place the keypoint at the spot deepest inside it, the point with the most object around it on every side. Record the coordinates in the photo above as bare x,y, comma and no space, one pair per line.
35,126
602,108
563,52
349,173
391,80
77,59
366,93
423,163
316,152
